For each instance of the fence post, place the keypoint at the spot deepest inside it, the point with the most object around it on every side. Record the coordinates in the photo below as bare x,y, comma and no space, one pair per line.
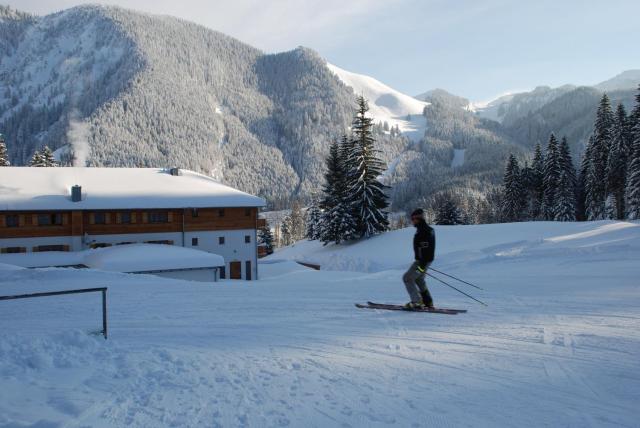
104,313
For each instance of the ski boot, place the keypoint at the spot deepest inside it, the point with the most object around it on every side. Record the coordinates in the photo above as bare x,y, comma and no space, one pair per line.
412,306
426,298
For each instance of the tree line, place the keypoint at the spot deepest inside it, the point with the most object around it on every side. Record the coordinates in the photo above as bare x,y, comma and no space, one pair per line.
606,185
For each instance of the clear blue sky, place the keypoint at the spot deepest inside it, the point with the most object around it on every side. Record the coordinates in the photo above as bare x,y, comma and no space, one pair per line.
477,49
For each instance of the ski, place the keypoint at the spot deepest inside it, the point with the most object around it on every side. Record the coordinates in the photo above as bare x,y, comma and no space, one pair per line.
388,307
462,311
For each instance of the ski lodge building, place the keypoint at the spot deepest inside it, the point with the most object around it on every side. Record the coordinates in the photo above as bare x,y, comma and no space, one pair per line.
75,209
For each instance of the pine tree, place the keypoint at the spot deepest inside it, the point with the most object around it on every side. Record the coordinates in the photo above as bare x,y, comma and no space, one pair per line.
366,192
4,156
617,163
596,177
265,237
536,183
337,223
550,179
37,160
565,201
512,203
314,216
633,169
48,158
447,211
565,208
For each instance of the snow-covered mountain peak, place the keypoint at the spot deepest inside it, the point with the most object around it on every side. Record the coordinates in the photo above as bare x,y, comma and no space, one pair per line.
385,103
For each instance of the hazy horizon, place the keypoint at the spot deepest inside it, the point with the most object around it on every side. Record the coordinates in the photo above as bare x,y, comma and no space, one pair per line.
478,50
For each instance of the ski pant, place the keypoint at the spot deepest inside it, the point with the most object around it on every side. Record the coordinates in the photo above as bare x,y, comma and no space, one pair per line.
414,281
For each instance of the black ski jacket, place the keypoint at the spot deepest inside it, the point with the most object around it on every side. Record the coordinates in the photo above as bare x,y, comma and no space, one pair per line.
424,244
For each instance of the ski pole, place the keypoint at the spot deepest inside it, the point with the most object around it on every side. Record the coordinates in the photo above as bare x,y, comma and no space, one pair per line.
457,279
459,291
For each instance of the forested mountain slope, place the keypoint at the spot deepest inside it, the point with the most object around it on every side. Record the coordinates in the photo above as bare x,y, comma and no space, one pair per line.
158,91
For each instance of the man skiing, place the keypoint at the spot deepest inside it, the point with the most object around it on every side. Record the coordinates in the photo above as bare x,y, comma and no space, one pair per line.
424,246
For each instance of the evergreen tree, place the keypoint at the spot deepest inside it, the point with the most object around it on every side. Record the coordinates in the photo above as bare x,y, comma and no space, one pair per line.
447,211
596,176
512,202
536,183
550,179
633,170
265,237
337,223
295,223
617,163
48,158
365,191
4,156
632,192
565,202
37,160
565,208
314,216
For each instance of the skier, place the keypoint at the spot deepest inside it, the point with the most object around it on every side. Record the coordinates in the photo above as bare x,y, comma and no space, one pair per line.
424,246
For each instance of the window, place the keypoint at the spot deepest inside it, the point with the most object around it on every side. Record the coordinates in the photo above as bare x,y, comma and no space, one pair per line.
223,272
194,212
247,239
13,250
158,217
125,217
194,242
221,240
49,219
221,212
164,241
247,212
12,220
99,218
42,248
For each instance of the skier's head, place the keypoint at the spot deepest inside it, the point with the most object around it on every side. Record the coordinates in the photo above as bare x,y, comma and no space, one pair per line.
417,216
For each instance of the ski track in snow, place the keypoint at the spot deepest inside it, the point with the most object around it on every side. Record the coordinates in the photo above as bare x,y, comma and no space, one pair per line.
558,345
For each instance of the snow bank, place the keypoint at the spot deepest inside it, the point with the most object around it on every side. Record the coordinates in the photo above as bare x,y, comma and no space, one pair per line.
121,258
149,257
464,244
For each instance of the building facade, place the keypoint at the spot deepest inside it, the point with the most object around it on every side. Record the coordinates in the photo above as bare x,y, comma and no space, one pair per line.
100,207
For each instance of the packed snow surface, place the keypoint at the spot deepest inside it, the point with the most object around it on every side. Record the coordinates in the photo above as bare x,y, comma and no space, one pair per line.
385,103
108,188
558,344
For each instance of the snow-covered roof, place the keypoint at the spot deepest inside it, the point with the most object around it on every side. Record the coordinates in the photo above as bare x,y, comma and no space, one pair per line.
121,258
28,188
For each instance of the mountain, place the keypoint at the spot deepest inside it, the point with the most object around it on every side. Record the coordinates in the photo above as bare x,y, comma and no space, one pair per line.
629,79
527,118
159,91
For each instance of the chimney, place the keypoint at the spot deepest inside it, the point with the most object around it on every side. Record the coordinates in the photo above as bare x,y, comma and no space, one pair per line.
76,193
174,171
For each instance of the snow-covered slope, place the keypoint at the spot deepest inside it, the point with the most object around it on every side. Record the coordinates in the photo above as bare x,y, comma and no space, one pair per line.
385,103
558,344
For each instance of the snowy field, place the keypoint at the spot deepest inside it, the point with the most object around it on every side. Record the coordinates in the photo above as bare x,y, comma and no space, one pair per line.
558,346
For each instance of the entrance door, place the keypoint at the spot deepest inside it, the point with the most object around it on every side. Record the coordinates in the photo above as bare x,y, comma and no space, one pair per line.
235,270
